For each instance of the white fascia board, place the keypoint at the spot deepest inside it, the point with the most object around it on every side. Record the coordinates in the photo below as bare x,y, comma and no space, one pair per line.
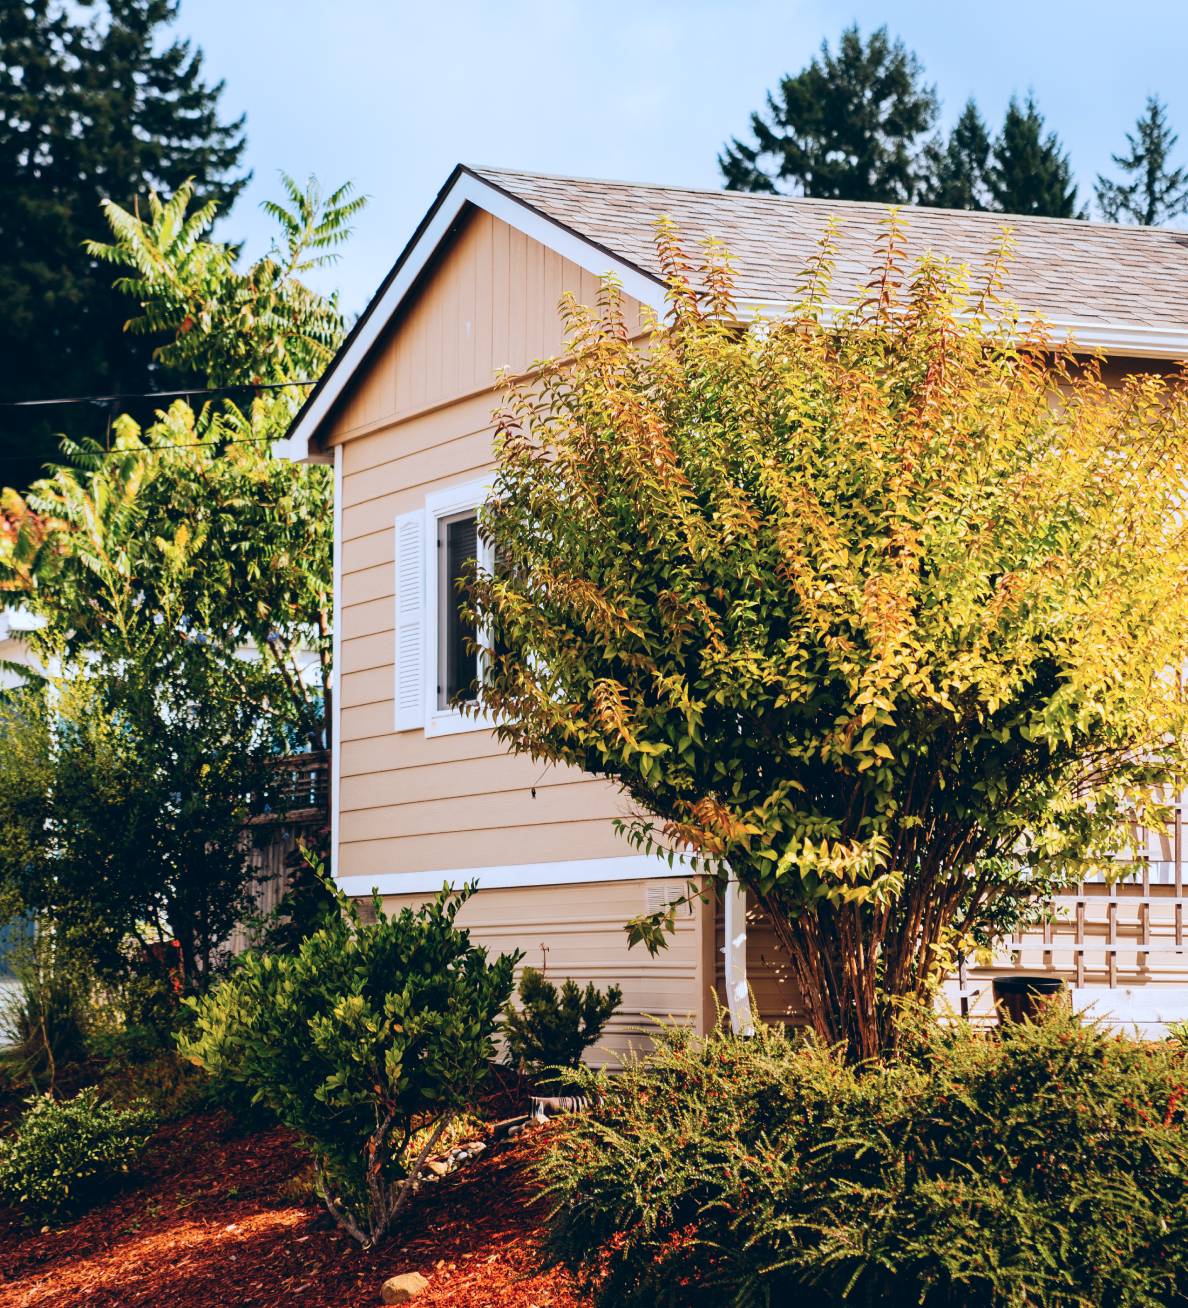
1125,339
633,867
467,189
336,668
296,449
1122,340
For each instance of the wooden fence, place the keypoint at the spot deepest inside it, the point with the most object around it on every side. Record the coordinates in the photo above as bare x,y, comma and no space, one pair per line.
297,805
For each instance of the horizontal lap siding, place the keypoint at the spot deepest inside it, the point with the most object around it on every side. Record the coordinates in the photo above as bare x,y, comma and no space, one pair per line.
419,418
577,931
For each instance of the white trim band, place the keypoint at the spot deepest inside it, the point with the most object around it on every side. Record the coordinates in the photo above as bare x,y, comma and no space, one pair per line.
336,672
1115,339
634,867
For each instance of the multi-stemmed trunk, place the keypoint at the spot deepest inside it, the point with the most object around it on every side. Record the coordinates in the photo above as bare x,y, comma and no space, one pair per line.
854,964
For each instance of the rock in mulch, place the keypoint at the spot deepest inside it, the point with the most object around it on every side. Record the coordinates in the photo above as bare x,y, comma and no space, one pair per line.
403,1288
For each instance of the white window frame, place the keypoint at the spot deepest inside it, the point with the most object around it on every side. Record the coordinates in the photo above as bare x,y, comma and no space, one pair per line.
466,498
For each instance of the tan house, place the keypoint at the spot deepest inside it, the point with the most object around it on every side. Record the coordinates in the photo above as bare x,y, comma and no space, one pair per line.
422,794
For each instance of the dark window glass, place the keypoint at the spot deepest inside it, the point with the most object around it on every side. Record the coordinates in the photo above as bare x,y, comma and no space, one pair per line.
460,664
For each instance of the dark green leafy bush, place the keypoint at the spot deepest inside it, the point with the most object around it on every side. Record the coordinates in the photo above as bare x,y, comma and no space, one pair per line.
1047,1168
551,1029
65,1154
368,1040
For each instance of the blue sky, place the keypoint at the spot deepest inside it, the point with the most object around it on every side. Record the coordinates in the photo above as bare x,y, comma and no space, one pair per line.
392,94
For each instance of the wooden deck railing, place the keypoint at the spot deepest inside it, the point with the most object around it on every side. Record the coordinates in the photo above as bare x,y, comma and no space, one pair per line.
299,789
1124,930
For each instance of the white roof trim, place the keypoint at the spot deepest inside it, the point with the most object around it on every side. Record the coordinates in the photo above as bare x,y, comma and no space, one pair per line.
466,189
1115,338
1126,338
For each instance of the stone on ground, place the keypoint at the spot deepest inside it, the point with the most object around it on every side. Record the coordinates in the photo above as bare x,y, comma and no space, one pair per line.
403,1288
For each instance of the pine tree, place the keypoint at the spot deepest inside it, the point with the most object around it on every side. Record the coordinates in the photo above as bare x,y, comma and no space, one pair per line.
1029,171
850,126
959,167
1156,192
96,102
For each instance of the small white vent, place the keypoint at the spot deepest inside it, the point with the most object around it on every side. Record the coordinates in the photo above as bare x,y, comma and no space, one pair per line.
660,894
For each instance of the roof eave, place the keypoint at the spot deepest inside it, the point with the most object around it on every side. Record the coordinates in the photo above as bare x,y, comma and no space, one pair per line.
1121,340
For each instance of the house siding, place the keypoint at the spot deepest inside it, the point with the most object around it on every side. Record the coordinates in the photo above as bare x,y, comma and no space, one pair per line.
418,419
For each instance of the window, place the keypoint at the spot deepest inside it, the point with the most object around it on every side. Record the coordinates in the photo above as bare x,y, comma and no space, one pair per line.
457,653
438,663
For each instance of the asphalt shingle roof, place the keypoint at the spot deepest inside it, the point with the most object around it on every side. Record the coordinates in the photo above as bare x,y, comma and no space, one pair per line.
1063,270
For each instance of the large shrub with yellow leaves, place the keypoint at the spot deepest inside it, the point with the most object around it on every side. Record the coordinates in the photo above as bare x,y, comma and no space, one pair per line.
878,607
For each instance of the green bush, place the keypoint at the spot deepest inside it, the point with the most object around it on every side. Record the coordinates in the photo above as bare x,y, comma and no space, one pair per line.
1043,1168
65,1154
47,1026
367,1040
551,1030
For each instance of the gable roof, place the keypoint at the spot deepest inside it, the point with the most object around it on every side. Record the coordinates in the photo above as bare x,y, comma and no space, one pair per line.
1123,290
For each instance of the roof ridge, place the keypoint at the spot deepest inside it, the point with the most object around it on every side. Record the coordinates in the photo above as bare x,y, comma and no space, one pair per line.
984,215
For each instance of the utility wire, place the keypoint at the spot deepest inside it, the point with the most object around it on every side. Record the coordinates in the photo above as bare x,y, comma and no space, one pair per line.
151,395
151,449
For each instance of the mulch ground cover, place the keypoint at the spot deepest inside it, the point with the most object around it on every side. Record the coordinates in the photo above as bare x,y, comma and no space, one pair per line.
221,1219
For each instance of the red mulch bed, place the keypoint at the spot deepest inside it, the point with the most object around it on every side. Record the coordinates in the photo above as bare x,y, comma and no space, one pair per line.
219,1218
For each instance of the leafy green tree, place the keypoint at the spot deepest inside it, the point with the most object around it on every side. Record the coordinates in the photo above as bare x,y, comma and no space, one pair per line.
97,101
959,169
187,532
123,795
850,126
1156,192
847,606
260,325
190,524
182,581
1029,171
368,1041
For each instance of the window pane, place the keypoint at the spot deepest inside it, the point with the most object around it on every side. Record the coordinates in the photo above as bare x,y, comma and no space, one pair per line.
460,662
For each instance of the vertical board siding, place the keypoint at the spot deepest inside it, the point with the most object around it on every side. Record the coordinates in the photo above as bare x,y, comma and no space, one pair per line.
490,302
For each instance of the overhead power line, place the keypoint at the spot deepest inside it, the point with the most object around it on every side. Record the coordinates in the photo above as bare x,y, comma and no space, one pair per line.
151,395
151,449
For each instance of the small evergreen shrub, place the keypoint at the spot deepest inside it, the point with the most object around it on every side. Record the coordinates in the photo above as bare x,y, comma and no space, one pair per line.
1043,1168
368,1039
65,1154
551,1029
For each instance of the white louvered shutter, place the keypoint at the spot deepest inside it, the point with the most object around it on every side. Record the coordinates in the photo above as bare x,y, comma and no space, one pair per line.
410,620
